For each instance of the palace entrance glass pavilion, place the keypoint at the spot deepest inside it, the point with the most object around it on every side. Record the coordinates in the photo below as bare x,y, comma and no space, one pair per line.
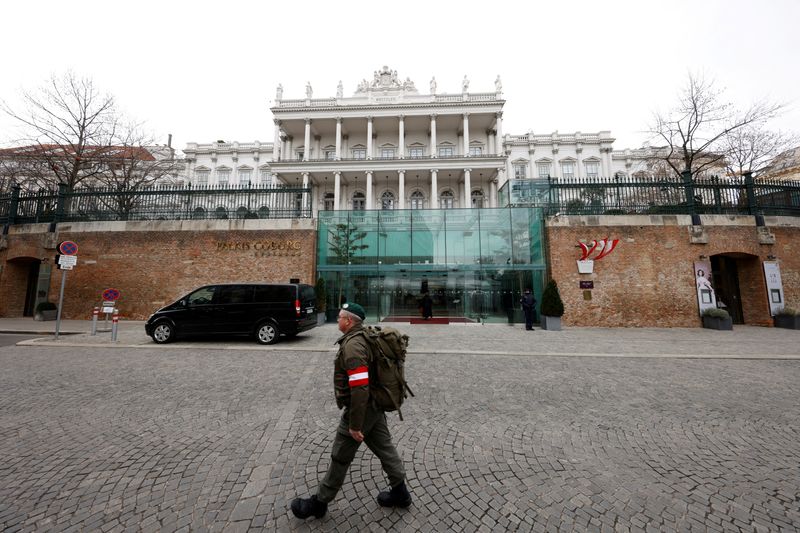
474,263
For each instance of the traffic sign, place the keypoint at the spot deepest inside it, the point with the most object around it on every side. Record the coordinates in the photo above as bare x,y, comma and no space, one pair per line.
68,248
111,294
66,262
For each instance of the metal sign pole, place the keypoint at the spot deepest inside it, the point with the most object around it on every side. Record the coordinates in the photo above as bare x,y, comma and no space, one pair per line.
60,302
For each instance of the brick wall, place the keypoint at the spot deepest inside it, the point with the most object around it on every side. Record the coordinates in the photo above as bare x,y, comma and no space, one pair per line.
649,279
154,264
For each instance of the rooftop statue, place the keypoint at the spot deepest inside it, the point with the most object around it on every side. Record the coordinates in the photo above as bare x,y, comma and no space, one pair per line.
498,85
465,84
279,92
309,90
339,90
433,85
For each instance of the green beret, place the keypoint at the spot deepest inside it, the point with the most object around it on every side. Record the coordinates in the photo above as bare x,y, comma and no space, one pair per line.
355,309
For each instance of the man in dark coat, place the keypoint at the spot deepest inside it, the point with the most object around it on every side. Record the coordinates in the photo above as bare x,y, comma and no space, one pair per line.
528,307
360,422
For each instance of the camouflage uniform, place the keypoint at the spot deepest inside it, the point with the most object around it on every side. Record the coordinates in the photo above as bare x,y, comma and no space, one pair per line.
351,386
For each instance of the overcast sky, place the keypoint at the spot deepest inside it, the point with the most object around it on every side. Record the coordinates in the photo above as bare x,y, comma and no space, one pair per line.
205,71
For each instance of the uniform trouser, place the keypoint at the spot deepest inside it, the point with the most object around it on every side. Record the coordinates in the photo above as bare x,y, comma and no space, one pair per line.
528,318
376,437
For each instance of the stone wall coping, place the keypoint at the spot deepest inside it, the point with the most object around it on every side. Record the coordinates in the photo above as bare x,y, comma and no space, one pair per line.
170,225
564,221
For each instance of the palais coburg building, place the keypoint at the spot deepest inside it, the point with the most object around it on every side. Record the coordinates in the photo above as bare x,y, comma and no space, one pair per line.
417,186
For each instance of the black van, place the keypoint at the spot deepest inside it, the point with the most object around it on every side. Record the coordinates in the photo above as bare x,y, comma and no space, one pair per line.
265,311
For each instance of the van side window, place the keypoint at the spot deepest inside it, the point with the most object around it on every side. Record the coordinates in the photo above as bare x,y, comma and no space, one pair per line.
274,293
202,296
234,294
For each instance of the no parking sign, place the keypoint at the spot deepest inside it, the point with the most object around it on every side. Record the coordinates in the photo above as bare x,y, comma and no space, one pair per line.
111,295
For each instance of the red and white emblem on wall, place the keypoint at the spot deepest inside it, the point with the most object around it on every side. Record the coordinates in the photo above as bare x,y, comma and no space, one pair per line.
598,248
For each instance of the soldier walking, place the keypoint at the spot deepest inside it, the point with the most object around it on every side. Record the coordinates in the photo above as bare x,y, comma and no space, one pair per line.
361,422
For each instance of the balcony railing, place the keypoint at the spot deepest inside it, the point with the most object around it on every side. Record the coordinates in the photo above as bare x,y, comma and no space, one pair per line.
666,195
154,203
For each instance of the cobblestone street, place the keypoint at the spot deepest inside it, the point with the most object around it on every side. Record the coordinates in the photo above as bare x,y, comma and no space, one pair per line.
208,440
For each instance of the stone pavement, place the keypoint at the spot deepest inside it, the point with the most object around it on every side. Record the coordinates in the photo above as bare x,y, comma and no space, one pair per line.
220,436
489,339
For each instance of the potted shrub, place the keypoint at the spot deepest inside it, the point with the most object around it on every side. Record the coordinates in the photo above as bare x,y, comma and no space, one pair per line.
45,311
552,307
786,317
715,318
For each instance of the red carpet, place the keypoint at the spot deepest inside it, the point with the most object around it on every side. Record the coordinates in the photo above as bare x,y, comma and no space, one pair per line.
430,321
419,320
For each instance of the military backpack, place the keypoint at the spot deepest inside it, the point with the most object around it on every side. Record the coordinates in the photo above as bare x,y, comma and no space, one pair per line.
387,358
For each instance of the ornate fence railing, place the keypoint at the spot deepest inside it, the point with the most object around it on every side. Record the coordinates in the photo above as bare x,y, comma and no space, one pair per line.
666,195
154,203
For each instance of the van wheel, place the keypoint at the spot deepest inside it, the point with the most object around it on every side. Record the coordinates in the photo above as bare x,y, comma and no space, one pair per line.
163,332
267,333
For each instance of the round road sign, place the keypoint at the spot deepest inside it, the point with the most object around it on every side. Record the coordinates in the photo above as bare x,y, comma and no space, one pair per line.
111,295
68,248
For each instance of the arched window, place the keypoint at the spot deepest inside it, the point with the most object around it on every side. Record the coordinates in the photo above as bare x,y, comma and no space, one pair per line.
263,212
221,213
477,198
417,200
387,200
359,201
446,200
199,213
241,212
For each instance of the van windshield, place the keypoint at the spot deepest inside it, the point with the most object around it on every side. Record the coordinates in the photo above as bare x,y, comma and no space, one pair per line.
201,296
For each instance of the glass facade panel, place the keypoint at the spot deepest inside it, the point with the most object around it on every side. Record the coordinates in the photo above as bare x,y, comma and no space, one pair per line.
474,263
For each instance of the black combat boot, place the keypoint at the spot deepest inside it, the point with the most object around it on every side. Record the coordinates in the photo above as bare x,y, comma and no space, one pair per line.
305,507
397,497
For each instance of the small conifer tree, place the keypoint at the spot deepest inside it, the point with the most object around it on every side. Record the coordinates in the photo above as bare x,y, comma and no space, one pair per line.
552,305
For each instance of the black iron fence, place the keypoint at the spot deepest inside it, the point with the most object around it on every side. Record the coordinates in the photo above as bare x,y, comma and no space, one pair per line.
154,203
666,195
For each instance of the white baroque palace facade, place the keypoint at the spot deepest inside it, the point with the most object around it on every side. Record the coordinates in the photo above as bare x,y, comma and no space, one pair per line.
390,147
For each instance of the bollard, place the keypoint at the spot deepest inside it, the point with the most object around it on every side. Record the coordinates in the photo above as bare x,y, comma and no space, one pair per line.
114,321
95,312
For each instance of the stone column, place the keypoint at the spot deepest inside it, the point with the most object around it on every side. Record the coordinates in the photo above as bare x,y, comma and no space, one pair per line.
307,142
289,152
499,130
277,141
401,201
467,188
370,200
434,149
434,203
608,162
318,146
337,190
490,137
604,160
401,151
579,152
501,179
305,186
338,138
493,193
369,137
556,168
466,134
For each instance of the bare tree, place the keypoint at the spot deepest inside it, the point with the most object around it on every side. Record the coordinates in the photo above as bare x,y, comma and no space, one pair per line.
68,125
753,147
693,131
132,164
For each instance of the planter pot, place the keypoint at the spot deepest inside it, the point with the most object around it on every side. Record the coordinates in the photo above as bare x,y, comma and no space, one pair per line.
787,321
49,314
551,323
331,314
722,324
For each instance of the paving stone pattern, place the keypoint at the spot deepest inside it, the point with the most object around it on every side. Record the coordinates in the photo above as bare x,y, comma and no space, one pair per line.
212,440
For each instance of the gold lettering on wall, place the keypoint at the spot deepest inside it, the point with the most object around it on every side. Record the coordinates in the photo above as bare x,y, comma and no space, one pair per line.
263,248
